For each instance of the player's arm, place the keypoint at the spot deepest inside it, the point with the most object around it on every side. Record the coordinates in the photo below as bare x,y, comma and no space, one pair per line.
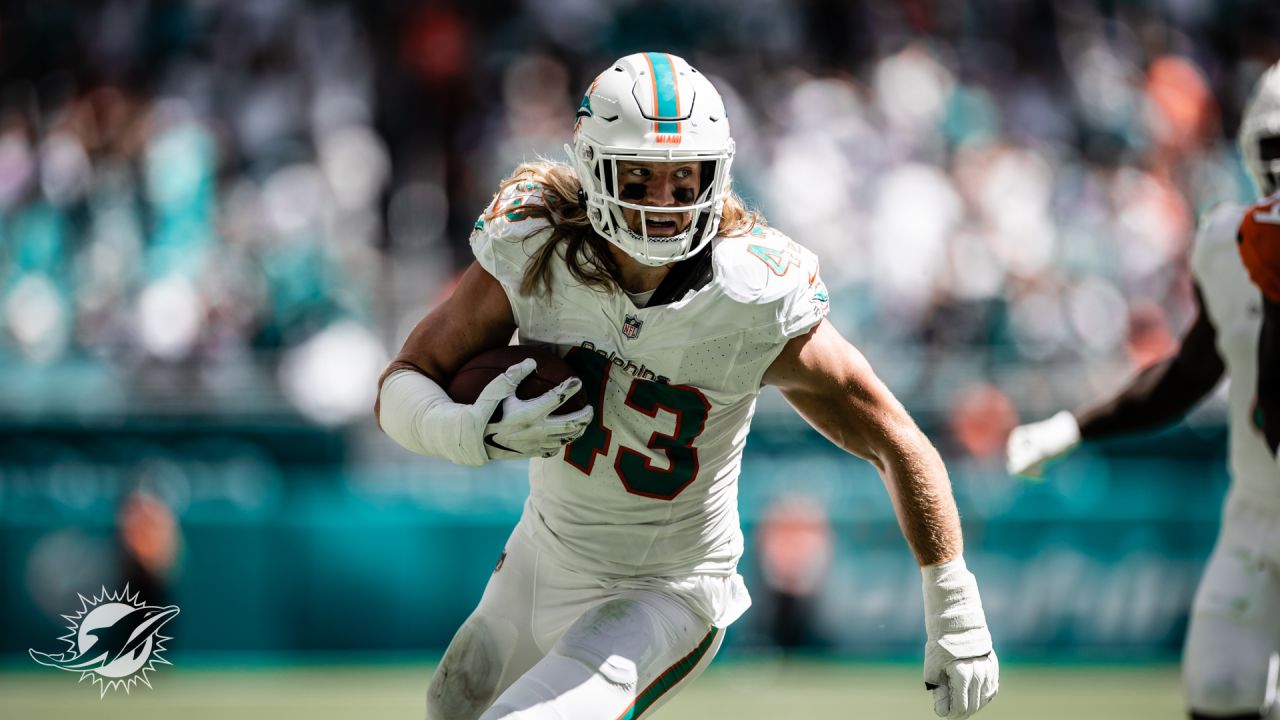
1157,396
475,318
1165,391
1269,372
833,387
415,411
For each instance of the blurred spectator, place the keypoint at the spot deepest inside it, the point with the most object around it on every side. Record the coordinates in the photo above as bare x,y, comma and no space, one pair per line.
149,546
981,418
795,553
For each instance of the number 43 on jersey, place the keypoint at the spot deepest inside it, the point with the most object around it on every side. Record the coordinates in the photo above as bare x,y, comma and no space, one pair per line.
634,468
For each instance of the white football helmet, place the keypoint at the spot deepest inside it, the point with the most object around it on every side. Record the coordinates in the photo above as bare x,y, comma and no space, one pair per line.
1259,135
651,107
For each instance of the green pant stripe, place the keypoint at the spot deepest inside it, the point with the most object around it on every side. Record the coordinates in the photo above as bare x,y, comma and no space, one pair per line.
669,678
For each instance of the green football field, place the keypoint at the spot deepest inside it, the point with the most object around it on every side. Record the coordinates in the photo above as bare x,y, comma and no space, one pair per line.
742,690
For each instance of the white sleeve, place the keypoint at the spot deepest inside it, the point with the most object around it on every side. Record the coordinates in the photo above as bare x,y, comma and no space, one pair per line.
776,280
777,286
418,414
806,303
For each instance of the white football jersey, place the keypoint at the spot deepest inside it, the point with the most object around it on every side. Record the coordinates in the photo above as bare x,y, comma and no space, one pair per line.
650,489
1234,306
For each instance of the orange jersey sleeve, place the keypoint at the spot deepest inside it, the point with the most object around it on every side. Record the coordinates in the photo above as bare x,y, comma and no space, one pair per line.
1260,245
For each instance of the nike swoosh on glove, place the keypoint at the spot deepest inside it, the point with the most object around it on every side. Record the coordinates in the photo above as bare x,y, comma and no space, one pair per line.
527,427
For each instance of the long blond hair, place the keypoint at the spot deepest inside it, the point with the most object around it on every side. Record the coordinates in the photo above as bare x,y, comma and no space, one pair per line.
586,253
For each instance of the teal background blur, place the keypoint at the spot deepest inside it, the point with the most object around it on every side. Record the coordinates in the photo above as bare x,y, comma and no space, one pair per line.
284,554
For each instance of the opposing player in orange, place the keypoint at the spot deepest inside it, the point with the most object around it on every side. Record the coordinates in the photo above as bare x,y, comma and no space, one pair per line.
675,305
1232,653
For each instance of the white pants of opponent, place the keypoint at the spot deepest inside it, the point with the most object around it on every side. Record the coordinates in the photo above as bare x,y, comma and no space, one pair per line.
548,643
1231,660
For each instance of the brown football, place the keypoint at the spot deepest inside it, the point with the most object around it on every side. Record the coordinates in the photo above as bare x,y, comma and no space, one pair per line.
552,370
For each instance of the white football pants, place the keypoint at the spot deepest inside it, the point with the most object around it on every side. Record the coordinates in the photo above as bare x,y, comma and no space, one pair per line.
1233,643
546,642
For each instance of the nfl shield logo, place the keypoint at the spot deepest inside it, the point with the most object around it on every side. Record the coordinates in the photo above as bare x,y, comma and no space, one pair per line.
631,328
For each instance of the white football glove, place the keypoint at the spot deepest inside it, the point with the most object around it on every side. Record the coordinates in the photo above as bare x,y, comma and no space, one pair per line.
419,415
1033,446
525,428
960,666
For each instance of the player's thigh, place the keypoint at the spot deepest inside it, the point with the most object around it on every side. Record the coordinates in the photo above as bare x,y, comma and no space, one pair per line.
494,646
667,680
624,656
646,641
1228,665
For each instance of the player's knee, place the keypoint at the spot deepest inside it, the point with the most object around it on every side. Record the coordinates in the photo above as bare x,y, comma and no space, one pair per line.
1227,692
466,680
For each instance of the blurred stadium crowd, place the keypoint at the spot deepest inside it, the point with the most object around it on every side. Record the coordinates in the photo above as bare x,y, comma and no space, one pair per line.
252,202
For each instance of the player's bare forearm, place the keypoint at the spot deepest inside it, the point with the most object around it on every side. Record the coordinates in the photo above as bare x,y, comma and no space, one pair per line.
833,387
917,482
476,317
1162,393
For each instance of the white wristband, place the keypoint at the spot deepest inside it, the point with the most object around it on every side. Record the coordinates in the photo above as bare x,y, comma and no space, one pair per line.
418,414
953,614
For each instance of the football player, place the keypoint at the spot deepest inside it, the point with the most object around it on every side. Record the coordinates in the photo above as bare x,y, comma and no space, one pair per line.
1233,643
674,304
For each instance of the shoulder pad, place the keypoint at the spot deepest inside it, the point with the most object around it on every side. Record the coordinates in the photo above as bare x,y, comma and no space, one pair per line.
1219,223
776,278
1259,244
763,266
509,230
1215,242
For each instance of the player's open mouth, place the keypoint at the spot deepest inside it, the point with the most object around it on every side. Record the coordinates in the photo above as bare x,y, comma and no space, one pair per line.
661,227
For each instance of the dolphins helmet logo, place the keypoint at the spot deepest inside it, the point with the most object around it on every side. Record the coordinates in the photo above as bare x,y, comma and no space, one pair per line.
115,641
